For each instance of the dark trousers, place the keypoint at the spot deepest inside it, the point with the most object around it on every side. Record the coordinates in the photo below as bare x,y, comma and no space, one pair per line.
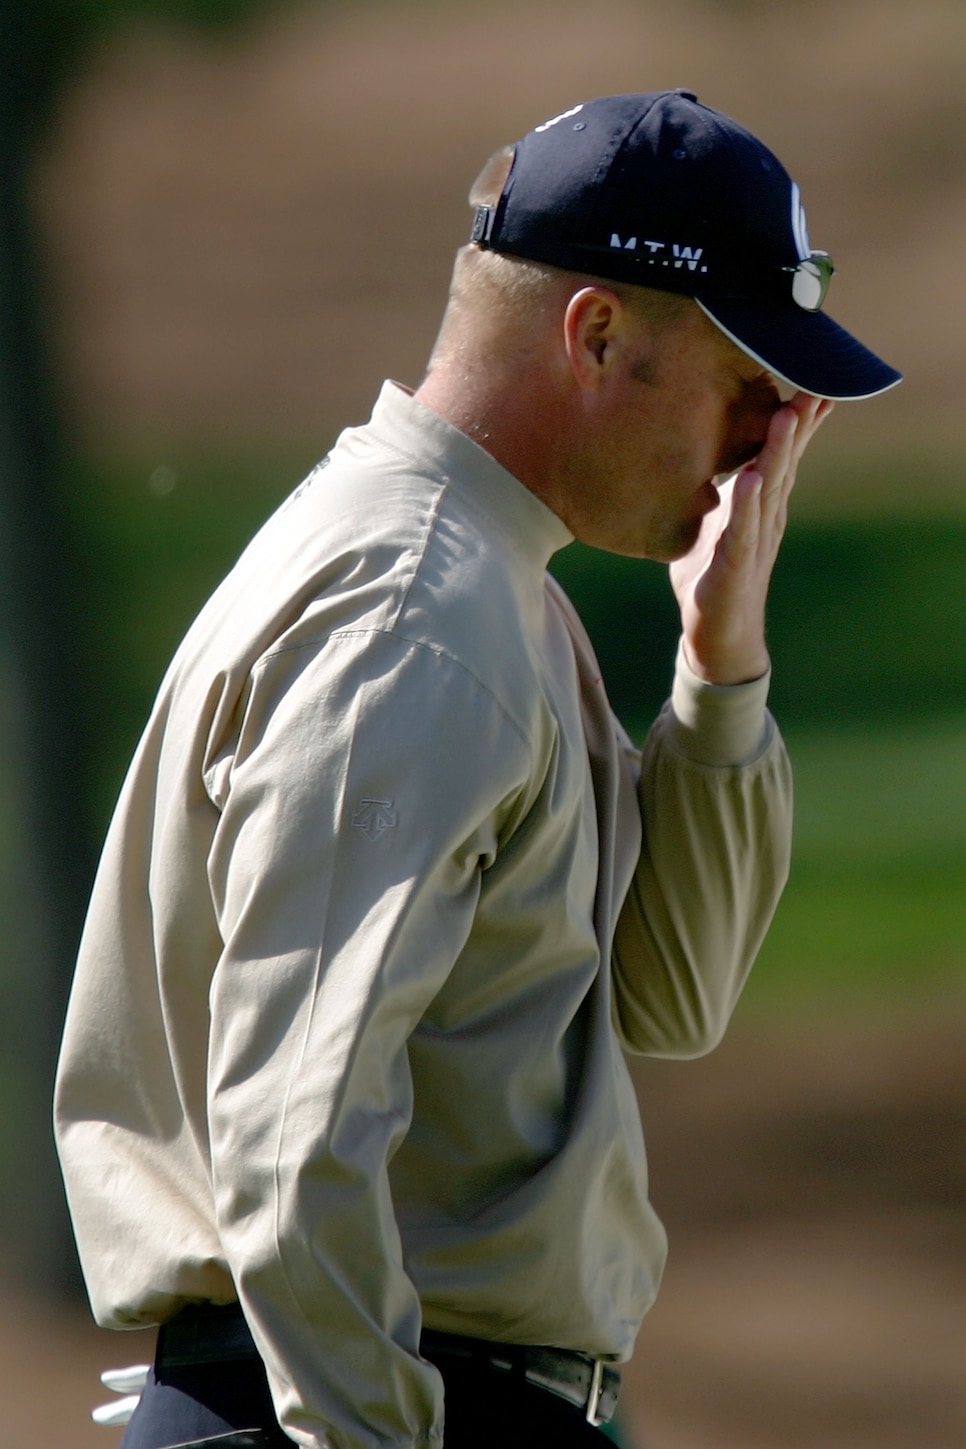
210,1406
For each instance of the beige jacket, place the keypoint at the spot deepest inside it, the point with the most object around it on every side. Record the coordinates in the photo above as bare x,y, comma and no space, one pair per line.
371,929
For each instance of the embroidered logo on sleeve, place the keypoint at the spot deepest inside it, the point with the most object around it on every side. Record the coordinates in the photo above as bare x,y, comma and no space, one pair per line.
374,818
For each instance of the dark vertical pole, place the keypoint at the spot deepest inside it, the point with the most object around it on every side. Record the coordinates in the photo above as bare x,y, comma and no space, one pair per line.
44,857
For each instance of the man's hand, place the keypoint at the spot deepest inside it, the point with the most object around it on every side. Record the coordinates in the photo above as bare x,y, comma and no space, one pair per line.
722,584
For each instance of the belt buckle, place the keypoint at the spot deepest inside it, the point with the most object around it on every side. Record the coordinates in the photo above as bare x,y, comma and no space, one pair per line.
594,1394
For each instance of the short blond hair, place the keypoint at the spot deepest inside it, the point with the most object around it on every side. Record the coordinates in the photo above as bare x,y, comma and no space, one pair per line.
506,295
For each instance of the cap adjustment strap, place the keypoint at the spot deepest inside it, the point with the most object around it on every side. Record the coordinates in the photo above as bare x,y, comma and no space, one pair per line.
483,225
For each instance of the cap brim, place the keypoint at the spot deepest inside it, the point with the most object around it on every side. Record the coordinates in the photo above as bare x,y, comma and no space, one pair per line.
806,349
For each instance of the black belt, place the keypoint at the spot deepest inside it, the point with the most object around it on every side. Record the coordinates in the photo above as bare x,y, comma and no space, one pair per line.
588,1383
212,1333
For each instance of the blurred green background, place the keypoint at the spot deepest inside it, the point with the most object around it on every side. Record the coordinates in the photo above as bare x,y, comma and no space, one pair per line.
867,625
225,221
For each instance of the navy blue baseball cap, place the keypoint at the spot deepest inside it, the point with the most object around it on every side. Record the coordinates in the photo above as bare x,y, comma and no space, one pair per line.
661,191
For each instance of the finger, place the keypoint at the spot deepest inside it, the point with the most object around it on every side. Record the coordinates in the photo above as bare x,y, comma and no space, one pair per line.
776,463
794,426
746,510
782,431
689,566
717,520
811,416
812,413
807,402
737,542
824,410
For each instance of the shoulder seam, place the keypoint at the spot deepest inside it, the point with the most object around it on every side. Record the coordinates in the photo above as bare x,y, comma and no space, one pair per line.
402,638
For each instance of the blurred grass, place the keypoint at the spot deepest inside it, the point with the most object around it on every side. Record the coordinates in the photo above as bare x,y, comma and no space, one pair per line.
150,537
867,621
868,636
876,904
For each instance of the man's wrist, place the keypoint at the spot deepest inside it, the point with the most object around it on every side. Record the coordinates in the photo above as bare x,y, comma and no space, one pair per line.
727,667
718,724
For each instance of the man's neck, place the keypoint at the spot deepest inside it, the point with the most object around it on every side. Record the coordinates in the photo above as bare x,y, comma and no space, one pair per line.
521,426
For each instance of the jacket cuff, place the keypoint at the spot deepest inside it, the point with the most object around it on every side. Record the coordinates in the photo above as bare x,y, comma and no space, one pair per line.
718,724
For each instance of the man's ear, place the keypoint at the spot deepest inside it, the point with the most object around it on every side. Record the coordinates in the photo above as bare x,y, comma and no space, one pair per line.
592,322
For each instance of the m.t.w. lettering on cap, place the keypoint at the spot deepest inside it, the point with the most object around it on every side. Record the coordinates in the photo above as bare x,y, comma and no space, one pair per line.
661,256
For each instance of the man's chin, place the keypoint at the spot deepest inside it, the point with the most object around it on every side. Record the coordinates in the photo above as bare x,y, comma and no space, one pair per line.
672,545
681,544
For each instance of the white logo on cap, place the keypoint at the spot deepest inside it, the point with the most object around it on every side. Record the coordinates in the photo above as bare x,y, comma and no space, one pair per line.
565,116
689,255
681,256
800,225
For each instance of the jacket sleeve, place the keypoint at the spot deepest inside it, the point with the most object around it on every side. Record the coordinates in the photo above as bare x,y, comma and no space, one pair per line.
715,795
345,873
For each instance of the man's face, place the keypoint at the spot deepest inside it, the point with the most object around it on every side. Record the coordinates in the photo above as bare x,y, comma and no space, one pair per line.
692,408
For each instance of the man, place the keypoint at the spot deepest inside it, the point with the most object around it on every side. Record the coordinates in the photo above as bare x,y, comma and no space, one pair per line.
342,1101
